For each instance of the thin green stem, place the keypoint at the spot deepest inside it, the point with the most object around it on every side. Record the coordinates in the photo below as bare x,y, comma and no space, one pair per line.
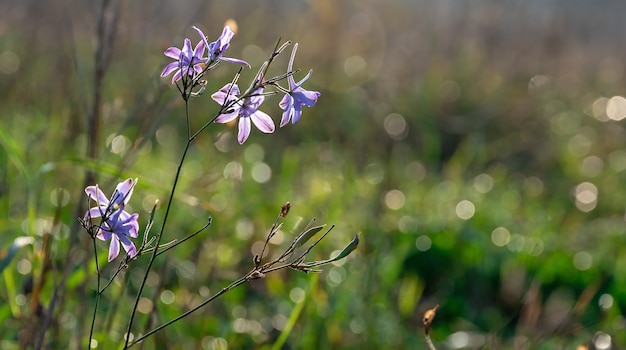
160,234
184,239
95,308
233,285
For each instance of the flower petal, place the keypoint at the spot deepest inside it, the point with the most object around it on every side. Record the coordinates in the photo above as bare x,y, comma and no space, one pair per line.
303,79
304,97
296,114
186,52
286,104
177,76
226,91
167,70
103,235
128,246
235,60
198,52
93,192
172,52
244,130
201,33
114,248
94,212
263,122
226,117
123,191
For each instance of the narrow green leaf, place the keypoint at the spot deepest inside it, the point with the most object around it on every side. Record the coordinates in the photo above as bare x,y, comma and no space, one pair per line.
347,250
344,252
306,235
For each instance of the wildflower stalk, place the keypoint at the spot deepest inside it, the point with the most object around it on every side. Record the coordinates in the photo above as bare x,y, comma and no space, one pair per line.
160,234
97,302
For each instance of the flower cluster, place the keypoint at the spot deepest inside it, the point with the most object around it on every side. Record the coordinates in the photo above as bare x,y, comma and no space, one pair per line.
193,62
116,223
235,104
190,63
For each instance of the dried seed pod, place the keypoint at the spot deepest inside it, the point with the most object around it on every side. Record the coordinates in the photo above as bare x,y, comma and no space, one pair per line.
284,210
429,315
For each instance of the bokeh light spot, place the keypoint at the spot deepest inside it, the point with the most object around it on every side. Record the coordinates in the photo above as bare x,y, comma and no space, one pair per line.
167,297
582,261
145,305
374,173
233,170
261,172
465,209
297,295
605,301
416,170
59,197
598,109
617,160
219,202
395,125
354,65
592,166
500,236
483,183
407,224
616,108
586,196
516,243
244,229
423,243
394,199
254,153
602,341
24,266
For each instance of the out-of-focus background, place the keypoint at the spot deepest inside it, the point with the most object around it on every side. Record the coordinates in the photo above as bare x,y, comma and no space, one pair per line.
478,147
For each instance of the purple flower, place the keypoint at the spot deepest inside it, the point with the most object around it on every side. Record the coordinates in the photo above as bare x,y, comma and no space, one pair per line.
297,97
187,61
246,109
117,224
218,47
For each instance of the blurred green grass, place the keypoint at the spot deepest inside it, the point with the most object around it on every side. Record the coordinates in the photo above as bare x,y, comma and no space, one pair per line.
453,137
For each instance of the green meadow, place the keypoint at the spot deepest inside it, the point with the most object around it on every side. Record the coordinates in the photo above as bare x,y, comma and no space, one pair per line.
478,149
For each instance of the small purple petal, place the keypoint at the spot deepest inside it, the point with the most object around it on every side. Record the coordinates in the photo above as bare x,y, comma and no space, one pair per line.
114,248
94,212
286,105
167,70
263,122
186,51
128,246
227,117
244,130
297,113
303,79
124,191
235,60
97,195
172,52
177,76
104,235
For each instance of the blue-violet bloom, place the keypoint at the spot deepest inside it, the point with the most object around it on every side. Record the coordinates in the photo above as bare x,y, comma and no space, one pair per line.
297,97
187,61
117,224
218,47
246,109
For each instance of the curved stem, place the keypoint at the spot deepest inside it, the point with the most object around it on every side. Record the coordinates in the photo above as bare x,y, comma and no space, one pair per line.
235,284
160,234
95,308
